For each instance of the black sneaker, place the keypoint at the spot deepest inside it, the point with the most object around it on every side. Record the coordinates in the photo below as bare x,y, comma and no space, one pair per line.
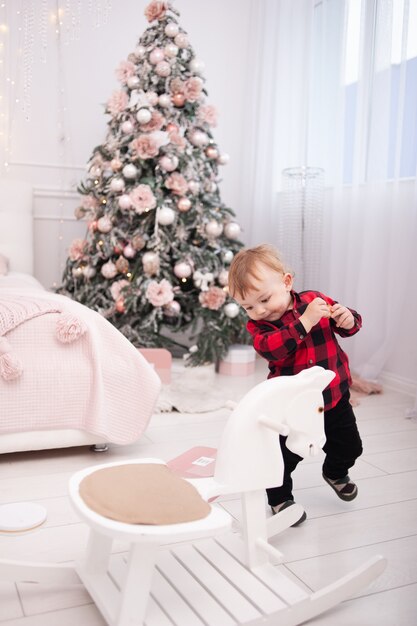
345,489
284,505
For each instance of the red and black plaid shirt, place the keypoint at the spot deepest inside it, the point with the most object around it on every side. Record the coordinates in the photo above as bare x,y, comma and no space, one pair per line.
289,349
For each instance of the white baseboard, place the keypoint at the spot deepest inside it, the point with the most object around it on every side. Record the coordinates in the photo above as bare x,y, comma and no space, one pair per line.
399,383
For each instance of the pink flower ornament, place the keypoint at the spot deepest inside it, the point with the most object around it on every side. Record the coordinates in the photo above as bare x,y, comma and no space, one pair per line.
212,299
142,198
77,249
156,10
117,102
159,294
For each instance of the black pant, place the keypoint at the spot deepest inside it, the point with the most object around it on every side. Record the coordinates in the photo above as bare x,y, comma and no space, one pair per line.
343,446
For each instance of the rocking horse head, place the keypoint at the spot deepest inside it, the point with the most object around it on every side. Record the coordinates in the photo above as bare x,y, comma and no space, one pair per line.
249,455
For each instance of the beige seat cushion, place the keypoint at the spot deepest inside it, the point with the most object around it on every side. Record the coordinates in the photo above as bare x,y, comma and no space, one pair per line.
142,493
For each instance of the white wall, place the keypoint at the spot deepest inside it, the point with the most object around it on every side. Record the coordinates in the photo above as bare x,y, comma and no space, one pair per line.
68,90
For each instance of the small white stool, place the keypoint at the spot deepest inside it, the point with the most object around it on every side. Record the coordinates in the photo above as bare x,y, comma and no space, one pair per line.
124,602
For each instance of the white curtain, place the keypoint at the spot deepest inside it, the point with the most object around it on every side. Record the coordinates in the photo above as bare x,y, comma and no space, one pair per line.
336,87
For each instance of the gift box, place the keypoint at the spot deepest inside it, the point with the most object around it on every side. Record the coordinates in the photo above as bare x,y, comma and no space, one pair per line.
161,360
239,361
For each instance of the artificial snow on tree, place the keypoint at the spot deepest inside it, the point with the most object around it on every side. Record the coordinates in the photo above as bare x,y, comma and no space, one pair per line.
159,239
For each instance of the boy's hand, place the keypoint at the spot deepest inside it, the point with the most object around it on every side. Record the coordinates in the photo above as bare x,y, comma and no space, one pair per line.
317,309
342,316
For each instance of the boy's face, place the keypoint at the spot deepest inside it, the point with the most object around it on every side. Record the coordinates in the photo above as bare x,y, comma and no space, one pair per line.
270,296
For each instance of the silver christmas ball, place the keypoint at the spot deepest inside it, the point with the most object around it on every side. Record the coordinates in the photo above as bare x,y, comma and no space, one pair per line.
165,216
130,171
231,310
232,230
214,228
143,116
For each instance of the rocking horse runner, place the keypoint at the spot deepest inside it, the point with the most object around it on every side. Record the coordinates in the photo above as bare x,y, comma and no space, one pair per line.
208,574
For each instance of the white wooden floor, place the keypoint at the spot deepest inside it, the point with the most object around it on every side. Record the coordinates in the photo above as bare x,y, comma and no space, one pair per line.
336,537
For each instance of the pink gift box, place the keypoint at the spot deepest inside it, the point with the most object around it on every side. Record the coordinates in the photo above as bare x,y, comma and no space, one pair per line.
236,369
161,359
198,462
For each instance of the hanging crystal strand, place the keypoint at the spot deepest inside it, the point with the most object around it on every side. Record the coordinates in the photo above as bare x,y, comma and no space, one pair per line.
28,41
43,29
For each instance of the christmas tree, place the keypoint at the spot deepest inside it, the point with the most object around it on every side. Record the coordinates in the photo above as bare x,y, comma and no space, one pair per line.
159,239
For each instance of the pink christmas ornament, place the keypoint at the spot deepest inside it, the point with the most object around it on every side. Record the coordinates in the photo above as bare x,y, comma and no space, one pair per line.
140,52
129,251
181,40
199,138
127,127
212,152
116,164
184,204
133,82
223,278
182,269
178,100
109,270
172,309
120,305
163,69
152,98
156,56
172,128
104,224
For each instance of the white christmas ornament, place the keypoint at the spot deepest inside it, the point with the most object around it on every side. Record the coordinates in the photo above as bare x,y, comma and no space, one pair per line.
130,171
232,230
231,310
228,256
182,269
127,127
140,52
104,224
199,138
163,69
223,278
164,100
109,270
171,50
117,184
143,116
202,280
165,216
196,66
171,29
133,82
125,201
194,186
223,159
172,309
150,262
214,228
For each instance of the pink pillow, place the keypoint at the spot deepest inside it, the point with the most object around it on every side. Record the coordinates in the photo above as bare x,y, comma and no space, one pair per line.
4,265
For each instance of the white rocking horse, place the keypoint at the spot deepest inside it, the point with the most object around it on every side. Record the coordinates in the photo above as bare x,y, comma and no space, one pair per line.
210,575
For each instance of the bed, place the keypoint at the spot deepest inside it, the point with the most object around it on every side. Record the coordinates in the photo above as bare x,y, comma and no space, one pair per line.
67,376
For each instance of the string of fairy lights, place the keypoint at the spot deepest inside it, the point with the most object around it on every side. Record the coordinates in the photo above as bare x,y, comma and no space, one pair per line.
35,32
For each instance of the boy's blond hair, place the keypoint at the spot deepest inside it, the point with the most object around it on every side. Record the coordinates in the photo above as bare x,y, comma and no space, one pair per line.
243,269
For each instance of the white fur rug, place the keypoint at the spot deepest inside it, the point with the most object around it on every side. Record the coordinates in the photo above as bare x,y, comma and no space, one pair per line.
194,390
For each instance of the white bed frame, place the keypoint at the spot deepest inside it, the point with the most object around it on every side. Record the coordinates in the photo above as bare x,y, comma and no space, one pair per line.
16,242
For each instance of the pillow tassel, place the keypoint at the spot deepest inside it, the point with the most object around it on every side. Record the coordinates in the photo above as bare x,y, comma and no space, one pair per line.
10,366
